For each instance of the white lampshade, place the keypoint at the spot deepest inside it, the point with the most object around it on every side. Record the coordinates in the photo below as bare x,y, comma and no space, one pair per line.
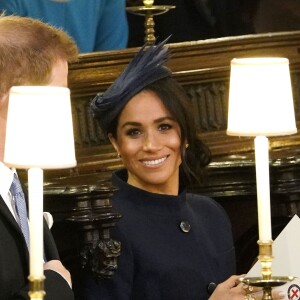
260,98
39,130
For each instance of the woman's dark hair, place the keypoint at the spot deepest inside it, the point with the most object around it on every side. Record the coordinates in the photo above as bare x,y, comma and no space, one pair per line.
197,155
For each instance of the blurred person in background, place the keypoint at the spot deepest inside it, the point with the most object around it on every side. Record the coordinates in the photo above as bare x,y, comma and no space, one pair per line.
95,25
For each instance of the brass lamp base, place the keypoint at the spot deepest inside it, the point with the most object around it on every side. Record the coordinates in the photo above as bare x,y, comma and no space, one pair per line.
267,284
36,291
267,281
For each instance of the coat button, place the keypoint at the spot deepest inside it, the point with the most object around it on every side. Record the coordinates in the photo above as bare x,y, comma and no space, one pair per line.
185,226
211,287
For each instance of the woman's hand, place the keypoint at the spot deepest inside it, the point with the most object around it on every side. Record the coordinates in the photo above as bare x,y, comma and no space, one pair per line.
234,289
231,289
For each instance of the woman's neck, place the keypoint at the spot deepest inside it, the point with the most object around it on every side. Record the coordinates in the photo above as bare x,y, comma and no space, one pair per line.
169,188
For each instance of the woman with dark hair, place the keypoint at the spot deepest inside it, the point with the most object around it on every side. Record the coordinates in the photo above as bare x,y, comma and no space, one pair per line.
174,244
195,155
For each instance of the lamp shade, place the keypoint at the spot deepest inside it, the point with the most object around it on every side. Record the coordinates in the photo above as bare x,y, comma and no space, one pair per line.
260,97
39,129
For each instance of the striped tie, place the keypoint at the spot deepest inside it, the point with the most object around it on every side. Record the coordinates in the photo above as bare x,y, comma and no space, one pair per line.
17,193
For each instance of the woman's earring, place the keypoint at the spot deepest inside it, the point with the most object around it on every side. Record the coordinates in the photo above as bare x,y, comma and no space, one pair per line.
186,146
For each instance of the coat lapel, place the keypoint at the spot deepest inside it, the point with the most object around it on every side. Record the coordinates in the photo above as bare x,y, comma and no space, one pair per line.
6,214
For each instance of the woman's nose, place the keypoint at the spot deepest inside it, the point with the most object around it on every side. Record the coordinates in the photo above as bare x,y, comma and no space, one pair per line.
151,142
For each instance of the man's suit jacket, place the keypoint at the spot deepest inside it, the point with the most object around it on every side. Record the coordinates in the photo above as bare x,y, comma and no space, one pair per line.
14,262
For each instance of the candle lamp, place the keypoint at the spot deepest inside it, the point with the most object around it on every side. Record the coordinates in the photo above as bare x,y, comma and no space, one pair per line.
261,105
149,11
39,135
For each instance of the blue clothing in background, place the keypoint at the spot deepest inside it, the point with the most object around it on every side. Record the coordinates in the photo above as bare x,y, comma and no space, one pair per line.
94,24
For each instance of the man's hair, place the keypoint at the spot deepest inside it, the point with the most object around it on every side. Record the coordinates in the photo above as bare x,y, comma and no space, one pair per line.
28,50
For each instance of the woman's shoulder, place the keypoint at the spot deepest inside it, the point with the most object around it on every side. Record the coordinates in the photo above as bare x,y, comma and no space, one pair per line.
201,199
206,204
211,215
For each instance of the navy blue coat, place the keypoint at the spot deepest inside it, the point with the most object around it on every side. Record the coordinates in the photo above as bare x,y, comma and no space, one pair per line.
159,261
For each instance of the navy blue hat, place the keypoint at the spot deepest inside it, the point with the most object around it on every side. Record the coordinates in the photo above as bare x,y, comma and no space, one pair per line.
146,67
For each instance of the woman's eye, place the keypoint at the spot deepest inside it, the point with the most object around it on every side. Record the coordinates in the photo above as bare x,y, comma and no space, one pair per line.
164,127
133,132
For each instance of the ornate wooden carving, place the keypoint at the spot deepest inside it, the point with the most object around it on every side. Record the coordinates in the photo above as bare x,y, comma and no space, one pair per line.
84,213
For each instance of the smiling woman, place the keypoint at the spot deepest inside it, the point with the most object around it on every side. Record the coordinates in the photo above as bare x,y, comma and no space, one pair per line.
175,245
148,140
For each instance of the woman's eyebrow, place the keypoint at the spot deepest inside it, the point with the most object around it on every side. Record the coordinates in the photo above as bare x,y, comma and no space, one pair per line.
137,124
167,118
131,124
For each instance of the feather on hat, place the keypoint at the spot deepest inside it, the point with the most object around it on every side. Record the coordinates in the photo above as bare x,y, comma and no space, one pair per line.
146,67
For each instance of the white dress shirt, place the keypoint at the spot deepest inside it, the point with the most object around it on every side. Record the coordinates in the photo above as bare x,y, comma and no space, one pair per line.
6,179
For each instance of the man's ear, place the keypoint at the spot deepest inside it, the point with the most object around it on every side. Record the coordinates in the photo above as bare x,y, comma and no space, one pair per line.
113,142
4,99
